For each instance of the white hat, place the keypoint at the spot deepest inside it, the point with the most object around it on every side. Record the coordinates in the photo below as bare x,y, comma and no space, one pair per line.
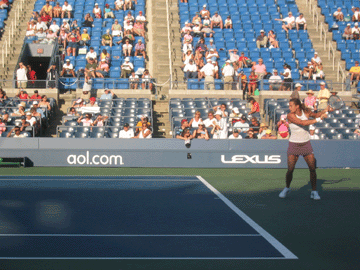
211,49
356,24
211,40
311,127
227,61
204,5
275,70
127,59
218,113
236,110
35,102
103,60
322,83
262,31
348,24
298,85
67,60
339,8
28,113
96,4
315,53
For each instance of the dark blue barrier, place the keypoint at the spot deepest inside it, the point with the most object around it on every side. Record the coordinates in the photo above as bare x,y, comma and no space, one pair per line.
173,153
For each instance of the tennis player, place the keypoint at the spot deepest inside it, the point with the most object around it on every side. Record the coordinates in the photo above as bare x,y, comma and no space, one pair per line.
299,143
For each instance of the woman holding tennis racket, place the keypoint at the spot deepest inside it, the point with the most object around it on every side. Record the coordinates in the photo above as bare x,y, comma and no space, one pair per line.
299,143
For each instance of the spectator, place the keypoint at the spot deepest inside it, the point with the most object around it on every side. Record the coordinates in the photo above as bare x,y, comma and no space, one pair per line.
128,4
106,39
268,135
234,58
253,80
22,94
108,94
188,39
30,119
68,69
228,73
355,72
197,29
102,69
88,21
86,87
144,133
143,119
127,48
44,104
356,15
97,11
272,40
54,27
338,15
318,73
204,12
3,95
206,27
116,29
295,93
208,71
72,39
186,29
186,136
242,124
41,36
91,54
243,81
31,74
127,132
57,10
126,68
307,71
20,111
244,62
105,56
212,55
323,97
85,38
250,135
2,126
316,60
141,18
211,121
300,22
262,40
194,122
228,23
66,10
120,5
313,136
90,68
134,80
216,21
74,25
287,78
140,49
235,115
235,135
288,22
355,31
201,132
92,103
220,130
310,100
62,38
51,37
146,80
196,19
139,29
73,112
41,25
222,109
36,95
65,26
108,12
348,32
31,27
283,128
100,120
200,46
259,69
79,103
190,70
255,107
275,81
262,130
128,25
17,133
87,121
254,125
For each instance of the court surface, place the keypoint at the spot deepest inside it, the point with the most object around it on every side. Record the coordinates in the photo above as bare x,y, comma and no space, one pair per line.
127,217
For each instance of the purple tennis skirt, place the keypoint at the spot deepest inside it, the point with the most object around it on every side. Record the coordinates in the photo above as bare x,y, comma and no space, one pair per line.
300,149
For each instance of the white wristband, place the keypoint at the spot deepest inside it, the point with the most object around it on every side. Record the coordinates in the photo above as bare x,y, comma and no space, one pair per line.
318,120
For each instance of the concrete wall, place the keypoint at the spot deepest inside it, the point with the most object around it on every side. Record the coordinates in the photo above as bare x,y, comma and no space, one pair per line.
173,153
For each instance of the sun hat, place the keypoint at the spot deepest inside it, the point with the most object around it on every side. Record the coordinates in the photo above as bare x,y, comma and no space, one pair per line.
236,110
311,92
268,131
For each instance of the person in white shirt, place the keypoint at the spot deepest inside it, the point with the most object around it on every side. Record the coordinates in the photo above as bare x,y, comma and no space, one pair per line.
275,81
228,22
127,132
338,15
68,69
316,60
289,22
141,18
220,130
313,136
126,68
235,135
17,134
208,72
228,73
91,54
212,55
54,27
21,76
134,80
66,9
356,15
300,22
242,125
30,119
41,25
216,21
211,121
87,121
356,31
191,70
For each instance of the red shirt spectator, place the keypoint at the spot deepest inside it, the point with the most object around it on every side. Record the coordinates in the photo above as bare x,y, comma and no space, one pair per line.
255,107
36,95
23,95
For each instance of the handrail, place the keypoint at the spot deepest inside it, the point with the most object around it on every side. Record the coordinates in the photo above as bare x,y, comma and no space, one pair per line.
341,75
169,41
332,54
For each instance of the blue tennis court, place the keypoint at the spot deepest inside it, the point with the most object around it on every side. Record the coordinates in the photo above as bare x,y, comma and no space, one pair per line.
126,217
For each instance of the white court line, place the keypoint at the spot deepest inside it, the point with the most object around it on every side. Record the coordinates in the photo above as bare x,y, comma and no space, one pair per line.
275,243
128,235
142,258
132,180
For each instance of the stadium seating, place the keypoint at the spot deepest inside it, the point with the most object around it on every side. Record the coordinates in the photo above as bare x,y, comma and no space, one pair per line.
4,13
248,19
119,112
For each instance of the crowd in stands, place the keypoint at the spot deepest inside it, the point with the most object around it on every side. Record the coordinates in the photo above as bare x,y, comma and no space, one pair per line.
24,115
211,47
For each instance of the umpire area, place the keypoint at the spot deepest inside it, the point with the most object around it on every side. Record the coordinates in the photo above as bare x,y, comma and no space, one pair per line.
126,217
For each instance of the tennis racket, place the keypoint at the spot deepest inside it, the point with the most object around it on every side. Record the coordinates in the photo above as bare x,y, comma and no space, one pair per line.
335,102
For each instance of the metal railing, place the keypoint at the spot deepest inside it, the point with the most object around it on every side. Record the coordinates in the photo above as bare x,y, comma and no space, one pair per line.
35,84
332,55
169,39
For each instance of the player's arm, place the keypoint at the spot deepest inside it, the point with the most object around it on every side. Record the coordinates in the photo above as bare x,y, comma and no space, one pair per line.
293,119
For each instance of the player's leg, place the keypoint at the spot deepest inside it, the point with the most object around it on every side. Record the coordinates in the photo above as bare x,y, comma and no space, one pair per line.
292,159
310,160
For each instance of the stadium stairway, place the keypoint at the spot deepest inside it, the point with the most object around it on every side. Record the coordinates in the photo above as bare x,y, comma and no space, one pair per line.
6,73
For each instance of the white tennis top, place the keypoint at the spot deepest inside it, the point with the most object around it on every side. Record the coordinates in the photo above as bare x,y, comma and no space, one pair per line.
299,134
